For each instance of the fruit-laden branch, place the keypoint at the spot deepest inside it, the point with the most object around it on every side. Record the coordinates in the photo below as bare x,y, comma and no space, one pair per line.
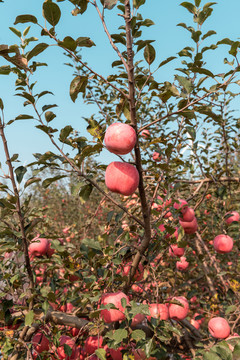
76,169
18,208
133,116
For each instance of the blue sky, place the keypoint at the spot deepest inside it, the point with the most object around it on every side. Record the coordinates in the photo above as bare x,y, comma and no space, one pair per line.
23,137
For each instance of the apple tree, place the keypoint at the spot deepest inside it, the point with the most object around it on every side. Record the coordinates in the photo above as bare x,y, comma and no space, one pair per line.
137,258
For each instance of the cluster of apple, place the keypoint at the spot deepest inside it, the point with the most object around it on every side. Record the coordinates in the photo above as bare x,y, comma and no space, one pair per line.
188,219
121,177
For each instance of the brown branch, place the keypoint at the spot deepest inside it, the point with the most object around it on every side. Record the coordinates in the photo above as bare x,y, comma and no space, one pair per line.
109,37
18,209
133,116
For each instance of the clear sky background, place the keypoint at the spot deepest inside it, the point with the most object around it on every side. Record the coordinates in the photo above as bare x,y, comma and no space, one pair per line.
23,137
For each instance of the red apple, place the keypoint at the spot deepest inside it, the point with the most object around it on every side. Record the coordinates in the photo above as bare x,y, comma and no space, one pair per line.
174,250
116,354
38,247
190,227
158,311
219,327
156,156
138,319
181,205
115,299
40,342
139,272
195,323
234,217
122,178
145,133
93,343
182,264
66,340
188,215
178,312
120,138
223,244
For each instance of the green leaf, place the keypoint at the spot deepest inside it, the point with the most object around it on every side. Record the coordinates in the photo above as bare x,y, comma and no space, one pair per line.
68,43
49,181
67,350
185,83
138,335
31,181
93,244
49,116
149,54
20,172
85,192
164,62
197,2
29,318
209,33
16,31
109,4
78,85
119,335
84,42
65,132
23,117
236,352
234,48
25,32
46,107
230,309
51,12
190,7
25,18
5,70
101,354
37,50
138,3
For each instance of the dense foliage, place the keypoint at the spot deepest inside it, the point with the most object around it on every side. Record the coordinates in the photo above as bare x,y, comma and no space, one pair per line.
100,242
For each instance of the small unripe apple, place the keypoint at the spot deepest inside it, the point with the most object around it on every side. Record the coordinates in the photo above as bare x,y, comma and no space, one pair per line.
219,327
223,244
115,299
232,216
38,247
178,312
158,311
120,138
122,178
